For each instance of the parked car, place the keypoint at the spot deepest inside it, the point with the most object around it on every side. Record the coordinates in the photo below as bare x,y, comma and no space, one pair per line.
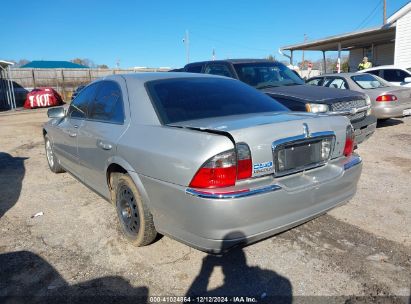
76,91
20,94
201,158
398,76
279,82
388,101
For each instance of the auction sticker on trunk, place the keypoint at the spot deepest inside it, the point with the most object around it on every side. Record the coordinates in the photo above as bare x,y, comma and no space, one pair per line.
263,167
406,112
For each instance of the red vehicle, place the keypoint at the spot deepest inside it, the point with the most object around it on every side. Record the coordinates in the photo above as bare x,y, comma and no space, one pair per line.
42,98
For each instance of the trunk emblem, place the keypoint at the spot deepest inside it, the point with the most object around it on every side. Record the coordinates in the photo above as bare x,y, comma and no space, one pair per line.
306,130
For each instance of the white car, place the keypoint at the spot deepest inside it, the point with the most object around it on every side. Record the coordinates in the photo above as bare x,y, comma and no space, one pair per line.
398,76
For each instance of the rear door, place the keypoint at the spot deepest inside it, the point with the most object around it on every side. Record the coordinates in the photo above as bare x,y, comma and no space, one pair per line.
98,137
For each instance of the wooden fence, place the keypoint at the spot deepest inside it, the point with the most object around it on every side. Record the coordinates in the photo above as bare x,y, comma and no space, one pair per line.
65,81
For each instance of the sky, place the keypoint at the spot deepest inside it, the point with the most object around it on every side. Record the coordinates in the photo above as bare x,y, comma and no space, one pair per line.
150,33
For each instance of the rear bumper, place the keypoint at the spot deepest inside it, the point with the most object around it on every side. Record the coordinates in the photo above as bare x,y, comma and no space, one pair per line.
214,222
364,128
388,110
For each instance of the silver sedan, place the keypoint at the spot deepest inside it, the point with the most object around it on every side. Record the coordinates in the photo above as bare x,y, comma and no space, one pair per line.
387,101
207,160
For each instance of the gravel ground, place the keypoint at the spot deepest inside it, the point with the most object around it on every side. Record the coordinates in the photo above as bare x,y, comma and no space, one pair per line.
359,252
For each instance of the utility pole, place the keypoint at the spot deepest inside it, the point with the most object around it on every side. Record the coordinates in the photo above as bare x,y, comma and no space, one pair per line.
302,63
384,16
186,41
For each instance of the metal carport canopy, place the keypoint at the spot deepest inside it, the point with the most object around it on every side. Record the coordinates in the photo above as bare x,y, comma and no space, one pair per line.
358,39
6,86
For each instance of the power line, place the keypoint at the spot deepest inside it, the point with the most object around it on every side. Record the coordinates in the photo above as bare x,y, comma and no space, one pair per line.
365,21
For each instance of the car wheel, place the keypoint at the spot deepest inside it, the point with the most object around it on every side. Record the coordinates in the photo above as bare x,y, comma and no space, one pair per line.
51,156
135,218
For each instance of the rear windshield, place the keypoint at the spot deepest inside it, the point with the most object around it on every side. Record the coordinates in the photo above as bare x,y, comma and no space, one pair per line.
181,99
368,81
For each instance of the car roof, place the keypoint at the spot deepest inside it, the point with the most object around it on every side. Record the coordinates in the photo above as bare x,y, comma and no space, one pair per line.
149,76
388,66
336,75
244,60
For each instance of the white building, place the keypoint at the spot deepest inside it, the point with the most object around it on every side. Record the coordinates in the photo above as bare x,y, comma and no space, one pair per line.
387,44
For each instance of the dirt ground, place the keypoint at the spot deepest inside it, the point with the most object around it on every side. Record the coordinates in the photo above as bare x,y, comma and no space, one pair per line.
359,252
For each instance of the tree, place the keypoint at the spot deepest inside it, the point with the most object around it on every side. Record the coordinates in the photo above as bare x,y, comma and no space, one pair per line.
102,66
85,61
270,58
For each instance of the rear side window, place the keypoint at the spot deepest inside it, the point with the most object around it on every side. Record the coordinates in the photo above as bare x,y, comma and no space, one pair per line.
184,99
394,75
79,108
108,103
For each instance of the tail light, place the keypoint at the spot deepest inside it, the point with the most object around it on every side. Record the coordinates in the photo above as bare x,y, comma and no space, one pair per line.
224,169
244,162
387,97
349,141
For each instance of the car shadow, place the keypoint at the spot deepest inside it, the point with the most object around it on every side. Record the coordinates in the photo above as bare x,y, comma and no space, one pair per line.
240,279
12,172
27,278
388,122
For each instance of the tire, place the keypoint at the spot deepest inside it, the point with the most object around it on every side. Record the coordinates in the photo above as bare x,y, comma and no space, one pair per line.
52,160
135,219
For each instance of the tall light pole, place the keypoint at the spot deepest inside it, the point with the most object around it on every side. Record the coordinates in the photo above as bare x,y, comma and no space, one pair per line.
303,63
384,13
186,41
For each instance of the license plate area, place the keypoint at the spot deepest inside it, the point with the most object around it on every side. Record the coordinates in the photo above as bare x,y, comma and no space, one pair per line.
301,154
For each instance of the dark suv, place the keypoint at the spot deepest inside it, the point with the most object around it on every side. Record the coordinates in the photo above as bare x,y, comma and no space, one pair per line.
281,83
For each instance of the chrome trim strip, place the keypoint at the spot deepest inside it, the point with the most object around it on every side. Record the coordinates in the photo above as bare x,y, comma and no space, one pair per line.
353,162
234,194
349,112
290,140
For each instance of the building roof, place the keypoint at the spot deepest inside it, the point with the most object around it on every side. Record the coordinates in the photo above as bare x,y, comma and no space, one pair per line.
4,64
377,35
357,39
401,12
44,64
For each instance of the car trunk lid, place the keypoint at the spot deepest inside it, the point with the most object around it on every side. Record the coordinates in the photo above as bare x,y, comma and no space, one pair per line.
260,131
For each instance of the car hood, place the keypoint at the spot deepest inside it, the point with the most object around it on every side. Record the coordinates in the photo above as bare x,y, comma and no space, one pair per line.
314,94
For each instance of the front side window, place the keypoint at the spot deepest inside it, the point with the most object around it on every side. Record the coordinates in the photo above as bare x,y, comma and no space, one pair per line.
337,83
194,68
374,72
367,81
108,103
80,106
183,99
315,82
266,74
394,75
218,69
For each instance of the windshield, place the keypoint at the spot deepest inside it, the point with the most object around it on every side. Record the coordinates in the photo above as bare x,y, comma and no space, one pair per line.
181,99
367,81
266,74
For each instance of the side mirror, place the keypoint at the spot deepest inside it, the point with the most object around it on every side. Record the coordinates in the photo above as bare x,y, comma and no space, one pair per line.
407,79
57,112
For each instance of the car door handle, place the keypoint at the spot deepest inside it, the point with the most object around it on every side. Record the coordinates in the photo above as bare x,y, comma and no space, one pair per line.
104,146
